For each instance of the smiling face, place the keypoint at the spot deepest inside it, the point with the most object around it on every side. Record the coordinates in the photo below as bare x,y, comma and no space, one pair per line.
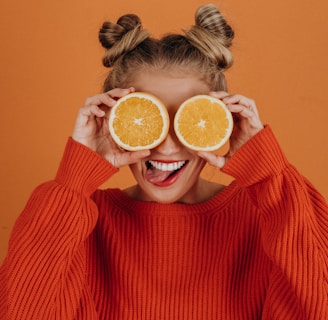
171,172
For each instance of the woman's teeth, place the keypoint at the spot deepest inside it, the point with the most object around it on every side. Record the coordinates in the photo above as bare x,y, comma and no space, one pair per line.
172,166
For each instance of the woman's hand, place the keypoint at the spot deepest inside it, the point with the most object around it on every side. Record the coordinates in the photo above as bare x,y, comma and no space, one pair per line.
246,124
91,128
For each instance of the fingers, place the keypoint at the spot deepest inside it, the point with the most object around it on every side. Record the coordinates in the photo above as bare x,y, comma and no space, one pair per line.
127,157
86,112
241,106
237,102
108,98
91,128
246,124
97,106
213,159
248,105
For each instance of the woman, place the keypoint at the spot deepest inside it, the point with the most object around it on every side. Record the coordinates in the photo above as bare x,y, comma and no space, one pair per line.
174,246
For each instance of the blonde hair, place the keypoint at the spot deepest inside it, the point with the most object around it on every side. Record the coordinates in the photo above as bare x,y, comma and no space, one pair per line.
203,50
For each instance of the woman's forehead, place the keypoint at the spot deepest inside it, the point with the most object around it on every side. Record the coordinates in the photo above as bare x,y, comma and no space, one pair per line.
172,89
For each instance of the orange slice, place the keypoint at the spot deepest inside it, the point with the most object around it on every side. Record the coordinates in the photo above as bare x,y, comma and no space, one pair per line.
138,121
203,123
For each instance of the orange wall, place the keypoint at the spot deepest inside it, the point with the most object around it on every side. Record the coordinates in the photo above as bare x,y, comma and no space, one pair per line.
51,60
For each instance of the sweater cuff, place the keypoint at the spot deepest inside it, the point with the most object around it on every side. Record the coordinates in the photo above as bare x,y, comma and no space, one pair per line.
258,159
82,169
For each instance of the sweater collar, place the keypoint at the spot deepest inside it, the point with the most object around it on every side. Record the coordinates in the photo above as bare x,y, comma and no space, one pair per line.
120,200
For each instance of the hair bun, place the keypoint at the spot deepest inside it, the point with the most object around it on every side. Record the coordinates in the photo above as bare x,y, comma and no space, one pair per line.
212,35
210,18
121,37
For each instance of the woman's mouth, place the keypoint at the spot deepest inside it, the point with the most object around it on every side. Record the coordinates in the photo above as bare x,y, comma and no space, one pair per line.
163,173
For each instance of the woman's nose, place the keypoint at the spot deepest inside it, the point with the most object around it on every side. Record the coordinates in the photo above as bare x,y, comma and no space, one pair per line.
170,145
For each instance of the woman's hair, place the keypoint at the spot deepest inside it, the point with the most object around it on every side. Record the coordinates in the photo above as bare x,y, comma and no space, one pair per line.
203,50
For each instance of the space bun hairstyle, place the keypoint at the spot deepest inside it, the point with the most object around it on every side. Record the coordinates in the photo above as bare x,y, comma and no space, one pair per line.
121,37
212,35
202,51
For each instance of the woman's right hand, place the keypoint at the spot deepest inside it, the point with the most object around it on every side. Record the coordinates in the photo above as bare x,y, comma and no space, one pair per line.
91,129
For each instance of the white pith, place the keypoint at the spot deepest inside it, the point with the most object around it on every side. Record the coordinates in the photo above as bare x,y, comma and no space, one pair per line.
163,166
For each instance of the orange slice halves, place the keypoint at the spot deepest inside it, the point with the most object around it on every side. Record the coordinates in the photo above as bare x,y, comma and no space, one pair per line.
203,123
138,121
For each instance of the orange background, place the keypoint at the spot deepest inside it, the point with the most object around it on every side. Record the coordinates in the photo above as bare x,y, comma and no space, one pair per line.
51,61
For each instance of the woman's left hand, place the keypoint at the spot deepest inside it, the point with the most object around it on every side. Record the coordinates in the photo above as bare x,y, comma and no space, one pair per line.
246,124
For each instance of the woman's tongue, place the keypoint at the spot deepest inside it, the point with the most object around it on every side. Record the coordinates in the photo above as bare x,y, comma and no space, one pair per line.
154,175
159,172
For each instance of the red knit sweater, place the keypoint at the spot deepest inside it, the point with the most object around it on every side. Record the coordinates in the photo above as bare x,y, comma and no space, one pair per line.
257,250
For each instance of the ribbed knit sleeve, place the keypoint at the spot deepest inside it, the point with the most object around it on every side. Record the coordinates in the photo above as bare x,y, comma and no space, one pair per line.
294,225
43,274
